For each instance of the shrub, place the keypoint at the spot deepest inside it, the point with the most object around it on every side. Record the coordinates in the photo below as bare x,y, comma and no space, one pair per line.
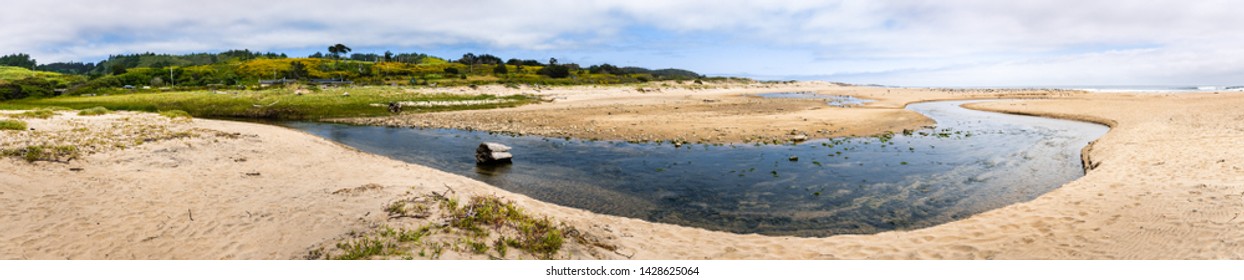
555,71
27,87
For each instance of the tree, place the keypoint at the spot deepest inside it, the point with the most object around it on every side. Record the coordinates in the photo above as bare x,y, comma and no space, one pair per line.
517,62
20,60
605,69
488,59
338,50
30,86
388,56
409,57
317,55
468,59
365,57
67,67
298,70
555,71
552,61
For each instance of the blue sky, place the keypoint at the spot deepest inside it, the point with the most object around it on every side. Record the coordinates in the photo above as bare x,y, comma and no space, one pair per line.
917,43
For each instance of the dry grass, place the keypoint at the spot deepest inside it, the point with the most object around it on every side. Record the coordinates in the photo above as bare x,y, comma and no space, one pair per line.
68,138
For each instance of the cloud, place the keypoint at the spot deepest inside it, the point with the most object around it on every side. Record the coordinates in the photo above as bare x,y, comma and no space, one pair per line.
898,42
48,28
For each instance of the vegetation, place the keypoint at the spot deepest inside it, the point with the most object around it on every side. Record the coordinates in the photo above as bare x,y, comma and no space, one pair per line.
12,125
175,114
247,68
18,60
9,73
40,113
94,111
17,82
78,138
485,225
45,153
275,104
261,85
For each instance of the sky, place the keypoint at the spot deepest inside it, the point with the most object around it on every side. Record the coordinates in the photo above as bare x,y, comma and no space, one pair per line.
907,43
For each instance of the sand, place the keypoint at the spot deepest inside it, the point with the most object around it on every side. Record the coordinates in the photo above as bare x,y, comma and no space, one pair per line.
1166,184
683,113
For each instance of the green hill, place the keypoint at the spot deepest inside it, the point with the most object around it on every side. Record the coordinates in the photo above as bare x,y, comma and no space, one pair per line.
9,73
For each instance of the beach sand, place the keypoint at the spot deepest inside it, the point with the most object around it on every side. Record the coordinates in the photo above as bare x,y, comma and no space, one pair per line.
677,113
1166,183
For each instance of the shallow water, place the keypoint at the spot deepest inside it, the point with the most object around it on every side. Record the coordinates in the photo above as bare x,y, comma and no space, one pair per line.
832,100
972,162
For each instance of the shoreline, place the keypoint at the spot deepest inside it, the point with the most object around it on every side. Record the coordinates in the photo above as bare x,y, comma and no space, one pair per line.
1166,187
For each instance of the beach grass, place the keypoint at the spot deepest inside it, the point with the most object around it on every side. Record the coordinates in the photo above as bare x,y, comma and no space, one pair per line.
40,113
278,104
57,153
483,225
94,111
175,114
12,125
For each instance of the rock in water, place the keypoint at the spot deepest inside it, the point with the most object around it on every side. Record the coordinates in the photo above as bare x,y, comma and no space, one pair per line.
492,153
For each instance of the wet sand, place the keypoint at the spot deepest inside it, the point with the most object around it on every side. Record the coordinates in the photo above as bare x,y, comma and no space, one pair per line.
1165,184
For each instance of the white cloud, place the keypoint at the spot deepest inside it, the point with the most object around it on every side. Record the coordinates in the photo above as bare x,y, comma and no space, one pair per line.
948,42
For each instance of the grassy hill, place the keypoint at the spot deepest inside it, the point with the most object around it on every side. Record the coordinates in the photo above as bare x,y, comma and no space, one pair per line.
10,73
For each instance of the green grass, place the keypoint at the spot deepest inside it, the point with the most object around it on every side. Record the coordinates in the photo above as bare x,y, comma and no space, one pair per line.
94,111
482,225
17,73
44,153
12,125
361,249
538,236
175,114
271,104
41,113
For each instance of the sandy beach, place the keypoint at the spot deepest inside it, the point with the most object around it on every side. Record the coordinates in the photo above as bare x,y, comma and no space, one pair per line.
1165,182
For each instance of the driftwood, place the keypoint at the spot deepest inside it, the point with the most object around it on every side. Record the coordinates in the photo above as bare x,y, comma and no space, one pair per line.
492,153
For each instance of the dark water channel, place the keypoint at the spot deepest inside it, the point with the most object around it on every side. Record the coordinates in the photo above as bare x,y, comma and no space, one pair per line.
971,162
